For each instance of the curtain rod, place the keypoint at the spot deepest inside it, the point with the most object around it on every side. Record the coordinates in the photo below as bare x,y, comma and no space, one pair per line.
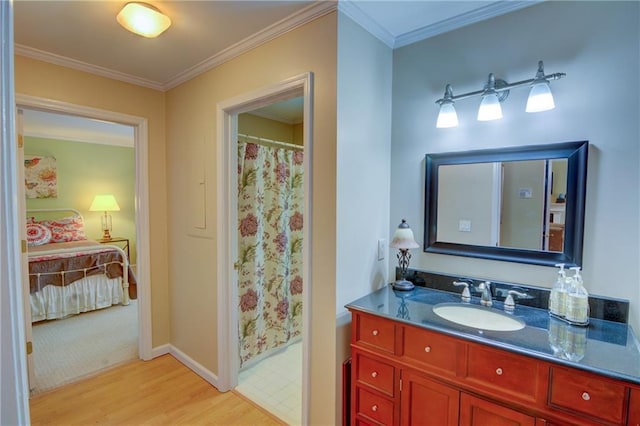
272,142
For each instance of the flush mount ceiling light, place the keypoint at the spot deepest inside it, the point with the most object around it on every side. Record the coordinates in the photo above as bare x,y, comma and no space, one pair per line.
143,19
496,91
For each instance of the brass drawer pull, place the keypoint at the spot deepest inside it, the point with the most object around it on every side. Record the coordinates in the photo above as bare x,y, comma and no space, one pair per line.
374,374
586,396
374,332
427,349
374,408
499,371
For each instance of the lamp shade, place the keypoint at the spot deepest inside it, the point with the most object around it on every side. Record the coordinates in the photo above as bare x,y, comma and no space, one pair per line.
490,108
104,203
540,97
403,237
143,19
447,116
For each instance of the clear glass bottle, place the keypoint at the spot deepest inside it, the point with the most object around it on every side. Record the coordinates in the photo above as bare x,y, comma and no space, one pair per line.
557,299
577,311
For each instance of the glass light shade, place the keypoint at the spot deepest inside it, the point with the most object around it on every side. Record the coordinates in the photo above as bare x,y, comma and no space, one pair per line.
447,116
490,108
104,203
143,19
403,238
540,98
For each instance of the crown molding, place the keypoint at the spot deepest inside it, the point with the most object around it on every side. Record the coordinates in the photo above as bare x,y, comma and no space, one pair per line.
487,12
293,21
64,61
356,14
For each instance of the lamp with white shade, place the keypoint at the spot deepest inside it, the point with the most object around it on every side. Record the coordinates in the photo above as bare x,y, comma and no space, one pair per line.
105,203
403,241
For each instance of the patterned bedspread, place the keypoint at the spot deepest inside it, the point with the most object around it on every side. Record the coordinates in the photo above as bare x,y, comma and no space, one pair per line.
77,259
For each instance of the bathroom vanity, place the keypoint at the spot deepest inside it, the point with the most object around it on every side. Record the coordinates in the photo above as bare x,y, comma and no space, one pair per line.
412,367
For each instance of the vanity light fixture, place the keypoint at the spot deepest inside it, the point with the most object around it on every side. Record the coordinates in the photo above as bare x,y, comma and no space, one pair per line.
403,241
495,92
143,19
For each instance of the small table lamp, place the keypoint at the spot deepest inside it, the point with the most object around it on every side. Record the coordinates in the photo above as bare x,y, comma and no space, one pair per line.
403,241
105,203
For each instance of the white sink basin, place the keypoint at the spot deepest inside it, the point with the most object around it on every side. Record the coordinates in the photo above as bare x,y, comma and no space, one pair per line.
478,317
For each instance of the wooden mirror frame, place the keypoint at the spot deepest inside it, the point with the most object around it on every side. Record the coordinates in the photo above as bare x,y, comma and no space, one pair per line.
575,152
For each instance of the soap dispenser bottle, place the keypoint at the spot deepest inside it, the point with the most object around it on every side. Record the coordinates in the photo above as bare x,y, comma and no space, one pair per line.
558,297
577,311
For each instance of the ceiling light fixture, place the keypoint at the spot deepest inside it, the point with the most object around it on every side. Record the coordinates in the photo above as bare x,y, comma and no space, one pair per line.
496,91
143,19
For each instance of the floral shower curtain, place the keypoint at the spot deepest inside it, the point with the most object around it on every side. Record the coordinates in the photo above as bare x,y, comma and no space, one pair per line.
270,206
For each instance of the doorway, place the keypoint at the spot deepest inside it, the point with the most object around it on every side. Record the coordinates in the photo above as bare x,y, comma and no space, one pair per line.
229,318
269,266
139,126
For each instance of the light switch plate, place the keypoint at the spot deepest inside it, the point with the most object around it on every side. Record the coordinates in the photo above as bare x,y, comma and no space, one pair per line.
382,248
464,225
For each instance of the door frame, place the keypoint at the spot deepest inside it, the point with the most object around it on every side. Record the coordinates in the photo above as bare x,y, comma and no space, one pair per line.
14,395
141,143
227,245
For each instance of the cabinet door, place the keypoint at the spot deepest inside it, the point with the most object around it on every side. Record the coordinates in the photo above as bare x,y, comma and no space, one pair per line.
479,412
634,408
426,402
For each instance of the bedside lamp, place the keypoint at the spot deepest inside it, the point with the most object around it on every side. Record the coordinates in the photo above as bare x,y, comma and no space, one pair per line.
403,241
105,203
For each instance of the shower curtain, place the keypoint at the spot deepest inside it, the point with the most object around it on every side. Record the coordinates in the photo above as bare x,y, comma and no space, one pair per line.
270,224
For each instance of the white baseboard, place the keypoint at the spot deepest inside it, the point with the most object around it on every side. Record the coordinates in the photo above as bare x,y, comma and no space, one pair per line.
194,366
160,350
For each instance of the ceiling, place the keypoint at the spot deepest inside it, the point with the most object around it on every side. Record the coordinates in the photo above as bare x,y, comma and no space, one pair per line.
85,35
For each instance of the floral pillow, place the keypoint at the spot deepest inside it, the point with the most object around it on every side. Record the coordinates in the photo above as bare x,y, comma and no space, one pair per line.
66,229
37,234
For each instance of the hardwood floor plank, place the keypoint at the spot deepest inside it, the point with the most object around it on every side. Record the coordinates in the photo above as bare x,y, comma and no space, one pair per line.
157,392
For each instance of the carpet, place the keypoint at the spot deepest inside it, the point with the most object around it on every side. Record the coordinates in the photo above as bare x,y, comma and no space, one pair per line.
69,349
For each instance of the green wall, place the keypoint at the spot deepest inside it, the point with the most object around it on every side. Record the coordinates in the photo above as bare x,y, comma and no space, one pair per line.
85,170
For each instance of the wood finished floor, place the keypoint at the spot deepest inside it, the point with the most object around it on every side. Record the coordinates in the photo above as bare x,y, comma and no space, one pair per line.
158,392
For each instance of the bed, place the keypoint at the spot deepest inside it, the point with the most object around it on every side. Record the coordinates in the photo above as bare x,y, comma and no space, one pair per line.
70,274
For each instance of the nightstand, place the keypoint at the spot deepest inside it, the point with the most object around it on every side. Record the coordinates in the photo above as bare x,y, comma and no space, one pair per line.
121,242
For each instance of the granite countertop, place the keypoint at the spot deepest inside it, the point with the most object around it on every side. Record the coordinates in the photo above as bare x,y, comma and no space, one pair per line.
604,347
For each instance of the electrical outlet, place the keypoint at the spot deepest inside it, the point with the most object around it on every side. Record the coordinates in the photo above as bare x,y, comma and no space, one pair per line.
382,248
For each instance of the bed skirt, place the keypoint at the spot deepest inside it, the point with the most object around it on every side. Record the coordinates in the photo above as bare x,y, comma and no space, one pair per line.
87,294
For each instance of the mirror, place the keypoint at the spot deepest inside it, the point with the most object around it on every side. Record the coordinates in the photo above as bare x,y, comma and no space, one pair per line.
520,204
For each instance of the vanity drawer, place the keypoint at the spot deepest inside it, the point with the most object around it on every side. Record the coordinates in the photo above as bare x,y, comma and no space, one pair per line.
503,372
374,407
377,374
376,332
588,394
432,350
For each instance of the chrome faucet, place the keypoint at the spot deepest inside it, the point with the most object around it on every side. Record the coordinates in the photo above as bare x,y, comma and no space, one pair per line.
509,303
486,298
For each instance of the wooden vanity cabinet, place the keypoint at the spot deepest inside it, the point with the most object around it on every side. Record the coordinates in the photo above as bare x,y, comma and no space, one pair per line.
408,375
479,412
634,407
427,402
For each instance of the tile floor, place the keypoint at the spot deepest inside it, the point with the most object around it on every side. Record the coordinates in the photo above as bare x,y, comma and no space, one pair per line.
275,384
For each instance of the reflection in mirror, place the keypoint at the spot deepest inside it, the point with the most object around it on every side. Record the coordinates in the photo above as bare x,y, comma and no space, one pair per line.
517,204
504,204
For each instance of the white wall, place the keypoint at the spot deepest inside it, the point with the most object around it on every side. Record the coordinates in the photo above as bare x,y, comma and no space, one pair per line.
597,45
466,194
364,132
363,171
